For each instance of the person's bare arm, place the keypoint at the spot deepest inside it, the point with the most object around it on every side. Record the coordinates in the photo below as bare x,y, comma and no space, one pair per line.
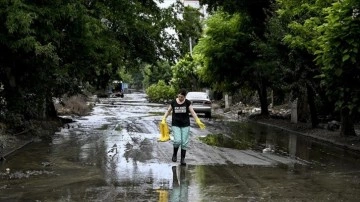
197,120
167,113
193,113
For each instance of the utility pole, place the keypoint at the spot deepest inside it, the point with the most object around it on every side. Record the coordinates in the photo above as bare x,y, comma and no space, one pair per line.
190,44
194,4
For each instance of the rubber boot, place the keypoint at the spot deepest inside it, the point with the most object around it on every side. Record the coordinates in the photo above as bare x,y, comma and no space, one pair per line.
174,157
183,153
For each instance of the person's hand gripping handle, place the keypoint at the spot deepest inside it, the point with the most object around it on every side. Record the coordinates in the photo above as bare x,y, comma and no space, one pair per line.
163,121
201,125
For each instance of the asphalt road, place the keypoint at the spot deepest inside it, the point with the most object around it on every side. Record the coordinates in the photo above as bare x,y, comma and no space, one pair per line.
147,116
114,155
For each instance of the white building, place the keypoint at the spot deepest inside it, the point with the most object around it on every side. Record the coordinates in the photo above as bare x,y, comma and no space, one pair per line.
195,4
192,3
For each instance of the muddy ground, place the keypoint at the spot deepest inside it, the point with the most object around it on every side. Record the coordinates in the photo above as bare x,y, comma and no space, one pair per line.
14,143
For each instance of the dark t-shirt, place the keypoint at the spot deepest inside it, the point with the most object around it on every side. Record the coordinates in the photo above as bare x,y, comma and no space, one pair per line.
180,113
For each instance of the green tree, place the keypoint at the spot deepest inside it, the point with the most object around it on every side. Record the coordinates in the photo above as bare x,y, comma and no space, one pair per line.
154,73
137,78
184,74
330,37
223,49
254,9
255,70
296,60
32,36
233,56
53,47
188,29
338,55
160,92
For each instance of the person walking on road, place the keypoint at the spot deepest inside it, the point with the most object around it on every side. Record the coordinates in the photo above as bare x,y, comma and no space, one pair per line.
180,125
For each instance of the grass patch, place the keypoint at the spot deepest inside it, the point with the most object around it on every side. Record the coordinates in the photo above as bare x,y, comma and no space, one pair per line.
118,128
104,127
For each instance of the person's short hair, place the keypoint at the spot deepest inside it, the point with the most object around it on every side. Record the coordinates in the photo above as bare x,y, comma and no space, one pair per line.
182,92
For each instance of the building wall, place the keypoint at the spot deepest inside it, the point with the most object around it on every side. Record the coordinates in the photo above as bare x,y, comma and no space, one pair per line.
192,3
195,4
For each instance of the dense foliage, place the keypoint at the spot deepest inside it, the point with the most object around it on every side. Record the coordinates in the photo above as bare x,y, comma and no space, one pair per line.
185,75
308,49
53,48
160,92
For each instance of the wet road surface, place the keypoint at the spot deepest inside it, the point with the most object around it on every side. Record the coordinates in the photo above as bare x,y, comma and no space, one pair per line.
114,155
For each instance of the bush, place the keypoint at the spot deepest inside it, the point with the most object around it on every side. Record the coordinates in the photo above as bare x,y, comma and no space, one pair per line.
160,92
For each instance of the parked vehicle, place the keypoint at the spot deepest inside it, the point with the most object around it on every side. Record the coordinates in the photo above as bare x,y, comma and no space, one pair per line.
200,102
118,89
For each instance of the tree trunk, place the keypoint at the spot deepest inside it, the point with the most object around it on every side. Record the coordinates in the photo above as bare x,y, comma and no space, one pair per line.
311,101
263,100
50,111
13,97
347,124
303,112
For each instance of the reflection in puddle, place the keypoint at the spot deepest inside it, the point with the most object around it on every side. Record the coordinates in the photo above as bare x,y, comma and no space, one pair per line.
180,188
262,138
138,150
113,155
258,183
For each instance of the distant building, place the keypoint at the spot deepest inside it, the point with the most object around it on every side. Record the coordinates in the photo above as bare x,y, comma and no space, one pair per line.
192,3
195,4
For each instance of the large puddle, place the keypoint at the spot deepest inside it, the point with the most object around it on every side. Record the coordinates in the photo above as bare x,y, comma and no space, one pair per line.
110,156
266,139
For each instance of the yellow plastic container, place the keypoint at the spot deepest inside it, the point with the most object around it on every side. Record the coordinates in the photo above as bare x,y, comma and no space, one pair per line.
164,132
